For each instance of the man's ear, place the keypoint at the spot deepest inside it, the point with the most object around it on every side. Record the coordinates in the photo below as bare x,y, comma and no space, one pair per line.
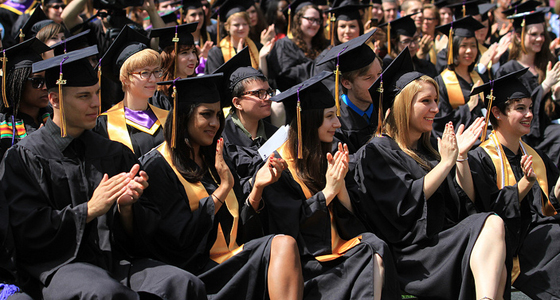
346,83
235,103
53,99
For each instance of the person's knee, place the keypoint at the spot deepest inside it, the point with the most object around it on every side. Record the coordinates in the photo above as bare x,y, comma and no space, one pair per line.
495,226
284,245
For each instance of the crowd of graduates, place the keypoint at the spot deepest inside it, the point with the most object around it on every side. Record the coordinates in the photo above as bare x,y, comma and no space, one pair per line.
241,149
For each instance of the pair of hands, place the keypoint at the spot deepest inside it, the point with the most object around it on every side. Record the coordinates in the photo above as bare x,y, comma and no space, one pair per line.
337,168
124,188
453,146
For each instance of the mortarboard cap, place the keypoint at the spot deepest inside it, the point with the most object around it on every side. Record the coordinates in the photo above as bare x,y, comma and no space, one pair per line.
230,7
191,4
440,3
70,69
72,43
181,32
127,43
401,26
527,18
200,89
518,7
483,9
465,8
385,87
169,16
347,10
241,59
500,90
26,30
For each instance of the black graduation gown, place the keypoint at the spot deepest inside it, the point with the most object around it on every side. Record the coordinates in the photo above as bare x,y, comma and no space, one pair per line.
28,123
420,65
184,237
47,190
355,130
329,66
142,142
287,211
460,115
288,65
242,151
216,58
161,100
532,236
431,239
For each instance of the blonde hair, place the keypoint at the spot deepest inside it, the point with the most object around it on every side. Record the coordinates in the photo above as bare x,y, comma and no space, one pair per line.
397,123
241,14
141,59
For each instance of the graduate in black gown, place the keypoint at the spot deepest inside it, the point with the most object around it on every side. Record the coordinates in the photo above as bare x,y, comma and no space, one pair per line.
359,67
24,104
521,185
310,202
406,194
80,222
181,64
209,227
456,82
404,34
133,121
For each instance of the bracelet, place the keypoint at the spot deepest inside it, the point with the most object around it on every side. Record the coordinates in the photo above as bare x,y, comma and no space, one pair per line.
462,160
222,202
248,203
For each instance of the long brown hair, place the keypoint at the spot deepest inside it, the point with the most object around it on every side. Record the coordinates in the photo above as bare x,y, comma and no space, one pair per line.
318,42
313,167
541,58
168,64
397,123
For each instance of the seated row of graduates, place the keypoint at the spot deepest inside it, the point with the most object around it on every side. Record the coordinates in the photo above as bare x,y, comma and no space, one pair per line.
407,197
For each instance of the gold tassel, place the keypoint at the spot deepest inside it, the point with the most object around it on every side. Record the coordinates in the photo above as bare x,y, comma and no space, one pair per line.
61,82
380,116
450,47
290,23
490,100
464,10
99,79
336,92
523,32
176,41
389,38
174,128
332,19
298,114
4,75
181,12
218,38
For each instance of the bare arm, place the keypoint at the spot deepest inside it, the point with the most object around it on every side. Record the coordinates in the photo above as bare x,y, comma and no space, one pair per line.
465,141
71,14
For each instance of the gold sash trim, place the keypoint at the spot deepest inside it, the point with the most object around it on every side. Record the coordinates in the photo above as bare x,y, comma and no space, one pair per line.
494,149
220,251
454,91
338,245
228,51
116,123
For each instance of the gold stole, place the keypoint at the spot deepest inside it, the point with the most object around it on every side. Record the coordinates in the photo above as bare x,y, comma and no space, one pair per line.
116,123
454,92
338,245
228,51
505,177
220,251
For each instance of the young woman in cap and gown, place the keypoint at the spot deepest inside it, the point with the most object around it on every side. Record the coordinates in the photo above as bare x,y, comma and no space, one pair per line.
133,122
311,203
291,60
406,195
457,80
194,13
403,33
209,226
24,104
181,64
530,48
521,185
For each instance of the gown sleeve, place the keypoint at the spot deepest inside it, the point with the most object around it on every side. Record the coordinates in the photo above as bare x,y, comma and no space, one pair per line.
214,61
288,65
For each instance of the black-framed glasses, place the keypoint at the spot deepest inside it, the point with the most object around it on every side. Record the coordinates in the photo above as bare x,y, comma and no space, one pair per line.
261,94
313,20
148,74
37,82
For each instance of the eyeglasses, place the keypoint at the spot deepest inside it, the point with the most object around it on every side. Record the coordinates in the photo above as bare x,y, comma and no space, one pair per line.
148,74
410,41
261,94
313,20
37,82
58,6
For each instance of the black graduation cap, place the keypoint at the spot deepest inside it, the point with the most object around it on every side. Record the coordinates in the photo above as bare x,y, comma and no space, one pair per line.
167,35
462,9
527,18
229,7
169,16
464,27
70,69
347,10
191,4
385,87
75,42
401,26
200,89
350,56
20,56
25,32
241,59
127,43
310,94
518,7
440,3
500,90
483,9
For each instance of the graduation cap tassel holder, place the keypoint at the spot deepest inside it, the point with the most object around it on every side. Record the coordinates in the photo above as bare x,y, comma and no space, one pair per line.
175,40
523,33
21,36
380,108
175,107
450,46
60,82
337,82
4,75
490,98
298,113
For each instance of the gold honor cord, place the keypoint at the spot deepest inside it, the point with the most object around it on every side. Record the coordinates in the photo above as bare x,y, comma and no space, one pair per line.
60,82
4,75
298,112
